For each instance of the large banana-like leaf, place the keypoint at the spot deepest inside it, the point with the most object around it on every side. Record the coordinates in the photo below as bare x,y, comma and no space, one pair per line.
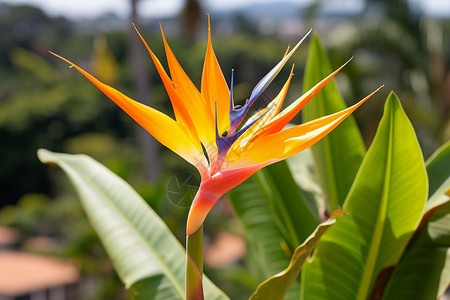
438,169
423,272
276,286
287,203
304,173
276,218
147,257
429,249
385,205
267,244
338,155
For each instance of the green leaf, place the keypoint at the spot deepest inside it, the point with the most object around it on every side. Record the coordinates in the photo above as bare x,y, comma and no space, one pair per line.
429,250
277,286
338,155
385,205
304,174
276,218
147,257
267,245
295,218
438,169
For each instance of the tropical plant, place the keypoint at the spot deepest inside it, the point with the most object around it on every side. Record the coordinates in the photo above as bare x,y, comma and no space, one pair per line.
369,248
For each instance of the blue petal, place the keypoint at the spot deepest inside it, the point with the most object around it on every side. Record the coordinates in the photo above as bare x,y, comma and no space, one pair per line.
265,82
231,90
237,115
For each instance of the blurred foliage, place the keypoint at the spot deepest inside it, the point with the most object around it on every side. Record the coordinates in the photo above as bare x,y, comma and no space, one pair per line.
395,44
28,27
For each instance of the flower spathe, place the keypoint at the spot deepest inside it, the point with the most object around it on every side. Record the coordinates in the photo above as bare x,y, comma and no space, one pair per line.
207,121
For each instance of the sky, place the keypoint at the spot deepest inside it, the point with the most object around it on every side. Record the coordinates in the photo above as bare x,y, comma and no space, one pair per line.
166,8
147,8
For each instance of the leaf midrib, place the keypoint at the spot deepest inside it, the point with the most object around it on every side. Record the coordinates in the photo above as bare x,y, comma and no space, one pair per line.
380,221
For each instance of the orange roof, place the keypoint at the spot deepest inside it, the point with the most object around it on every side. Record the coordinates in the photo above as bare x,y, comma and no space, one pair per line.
21,273
8,236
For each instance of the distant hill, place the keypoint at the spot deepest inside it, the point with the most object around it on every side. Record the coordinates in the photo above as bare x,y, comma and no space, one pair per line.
276,11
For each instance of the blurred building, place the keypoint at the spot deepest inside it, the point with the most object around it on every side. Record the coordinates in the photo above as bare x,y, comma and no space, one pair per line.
26,276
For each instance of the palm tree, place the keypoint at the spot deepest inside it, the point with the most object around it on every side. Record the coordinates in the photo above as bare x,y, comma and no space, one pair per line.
148,145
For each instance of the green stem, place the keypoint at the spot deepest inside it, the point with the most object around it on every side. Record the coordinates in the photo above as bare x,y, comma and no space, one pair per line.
194,265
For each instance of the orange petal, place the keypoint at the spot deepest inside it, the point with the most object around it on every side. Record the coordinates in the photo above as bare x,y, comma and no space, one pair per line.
201,113
292,110
215,88
274,106
181,112
283,144
166,130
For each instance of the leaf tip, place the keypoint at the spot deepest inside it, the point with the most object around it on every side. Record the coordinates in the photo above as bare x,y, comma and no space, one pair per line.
45,157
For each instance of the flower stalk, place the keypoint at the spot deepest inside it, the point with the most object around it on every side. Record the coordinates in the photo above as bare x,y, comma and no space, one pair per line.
194,265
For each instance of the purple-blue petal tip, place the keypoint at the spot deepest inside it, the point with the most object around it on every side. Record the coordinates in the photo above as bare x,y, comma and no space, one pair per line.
225,143
231,90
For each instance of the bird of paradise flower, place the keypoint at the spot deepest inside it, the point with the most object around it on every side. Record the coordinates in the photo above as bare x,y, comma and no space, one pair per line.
206,132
